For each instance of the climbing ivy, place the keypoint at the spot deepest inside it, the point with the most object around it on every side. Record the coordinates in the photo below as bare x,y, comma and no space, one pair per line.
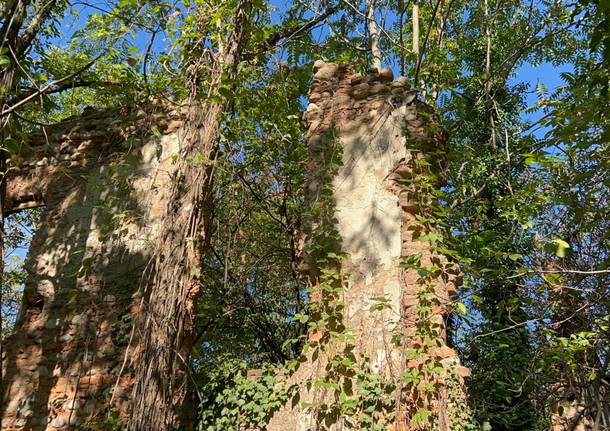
232,400
348,393
431,383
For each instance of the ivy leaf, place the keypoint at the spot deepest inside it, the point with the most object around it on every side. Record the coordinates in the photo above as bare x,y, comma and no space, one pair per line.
4,61
461,308
302,318
420,417
560,247
476,298
514,256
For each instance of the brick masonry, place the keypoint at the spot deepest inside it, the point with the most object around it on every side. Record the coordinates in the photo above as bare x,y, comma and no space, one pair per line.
103,181
101,178
378,121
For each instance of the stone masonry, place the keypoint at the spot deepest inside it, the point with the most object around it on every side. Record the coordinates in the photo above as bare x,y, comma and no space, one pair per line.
103,181
101,178
379,122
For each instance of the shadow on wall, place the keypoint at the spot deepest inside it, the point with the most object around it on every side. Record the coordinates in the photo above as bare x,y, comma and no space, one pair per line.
66,358
350,200
320,223
369,219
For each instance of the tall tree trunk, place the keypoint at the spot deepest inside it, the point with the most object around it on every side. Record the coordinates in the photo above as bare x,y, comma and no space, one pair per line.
488,82
415,20
373,34
168,305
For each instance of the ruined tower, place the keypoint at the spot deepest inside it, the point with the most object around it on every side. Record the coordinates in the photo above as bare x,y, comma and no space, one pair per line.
372,143
380,289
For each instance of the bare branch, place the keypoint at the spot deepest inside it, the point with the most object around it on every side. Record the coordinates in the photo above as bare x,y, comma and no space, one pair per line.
291,31
560,271
25,40
68,86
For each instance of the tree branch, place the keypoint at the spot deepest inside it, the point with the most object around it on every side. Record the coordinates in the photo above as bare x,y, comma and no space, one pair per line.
66,86
49,88
25,40
561,271
291,31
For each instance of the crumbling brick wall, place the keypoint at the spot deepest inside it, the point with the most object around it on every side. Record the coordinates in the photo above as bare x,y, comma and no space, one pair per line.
383,129
103,185
101,178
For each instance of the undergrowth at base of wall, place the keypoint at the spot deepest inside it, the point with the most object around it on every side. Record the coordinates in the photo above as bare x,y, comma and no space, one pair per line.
232,400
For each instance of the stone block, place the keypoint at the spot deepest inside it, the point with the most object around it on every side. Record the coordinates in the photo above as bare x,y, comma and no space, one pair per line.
58,422
317,65
361,91
379,89
386,74
326,71
462,371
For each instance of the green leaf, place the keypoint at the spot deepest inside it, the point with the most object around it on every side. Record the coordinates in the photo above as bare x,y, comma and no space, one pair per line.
420,417
13,146
561,247
461,308
302,318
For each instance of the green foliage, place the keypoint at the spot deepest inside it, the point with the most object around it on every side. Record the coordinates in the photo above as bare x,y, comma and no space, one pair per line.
253,288
375,402
429,380
18,231
516,212
524,213
231,400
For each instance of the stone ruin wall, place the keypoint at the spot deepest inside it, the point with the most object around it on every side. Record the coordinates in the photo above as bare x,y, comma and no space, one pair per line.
372,114
68,361
101,178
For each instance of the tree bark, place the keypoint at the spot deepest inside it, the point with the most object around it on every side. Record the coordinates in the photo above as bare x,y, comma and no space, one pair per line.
169,301
415,20
373,34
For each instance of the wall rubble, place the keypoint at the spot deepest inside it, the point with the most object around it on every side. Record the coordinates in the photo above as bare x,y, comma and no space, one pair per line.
101,178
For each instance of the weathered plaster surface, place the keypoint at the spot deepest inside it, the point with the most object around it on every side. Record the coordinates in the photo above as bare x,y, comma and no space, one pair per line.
374,209
67,364
369,222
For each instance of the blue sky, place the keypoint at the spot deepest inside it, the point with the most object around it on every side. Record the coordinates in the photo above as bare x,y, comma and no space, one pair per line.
547,74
